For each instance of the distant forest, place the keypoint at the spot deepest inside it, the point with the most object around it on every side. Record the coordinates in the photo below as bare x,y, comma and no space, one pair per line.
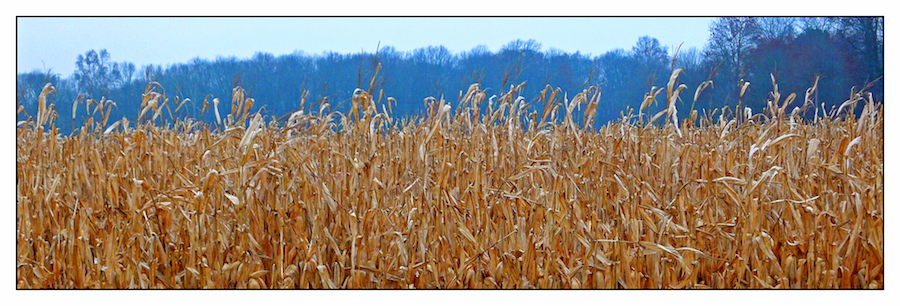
845,53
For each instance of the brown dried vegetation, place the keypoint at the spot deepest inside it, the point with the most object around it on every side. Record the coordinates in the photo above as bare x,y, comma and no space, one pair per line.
454,199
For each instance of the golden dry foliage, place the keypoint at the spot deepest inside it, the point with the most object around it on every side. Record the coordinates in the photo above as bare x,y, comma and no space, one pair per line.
455,199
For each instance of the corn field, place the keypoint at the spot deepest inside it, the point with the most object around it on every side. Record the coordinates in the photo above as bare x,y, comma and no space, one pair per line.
488,194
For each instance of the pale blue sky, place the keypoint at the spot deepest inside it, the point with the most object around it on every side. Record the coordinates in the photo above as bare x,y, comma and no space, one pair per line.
55,42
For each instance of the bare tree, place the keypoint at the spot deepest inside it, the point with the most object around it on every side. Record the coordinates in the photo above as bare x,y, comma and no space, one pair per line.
689,59
730,40
826,24
772,28
648,51
865,38
96,74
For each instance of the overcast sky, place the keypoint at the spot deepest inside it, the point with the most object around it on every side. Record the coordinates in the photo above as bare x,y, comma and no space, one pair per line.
54,42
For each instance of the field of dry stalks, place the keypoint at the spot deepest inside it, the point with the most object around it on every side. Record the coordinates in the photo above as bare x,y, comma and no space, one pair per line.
501,196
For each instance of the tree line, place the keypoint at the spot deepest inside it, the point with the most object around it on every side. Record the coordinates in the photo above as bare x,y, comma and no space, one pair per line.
836,53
